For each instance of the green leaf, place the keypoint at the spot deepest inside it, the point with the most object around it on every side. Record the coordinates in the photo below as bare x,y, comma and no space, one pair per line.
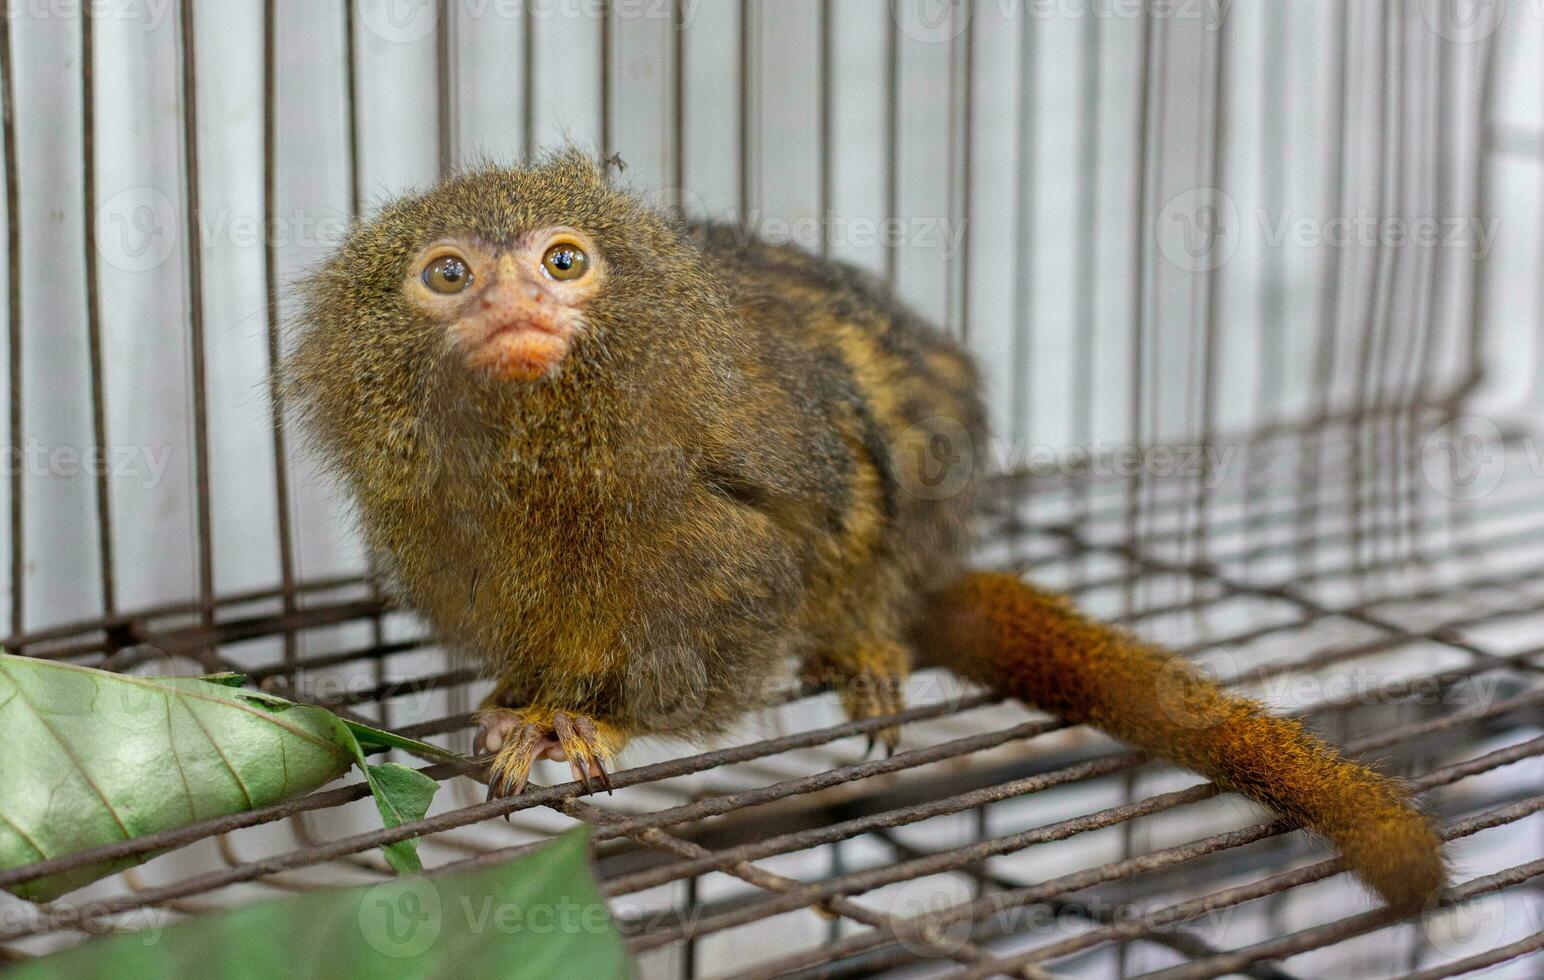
225,678
370,739
402,795
538,916
379,740
91,757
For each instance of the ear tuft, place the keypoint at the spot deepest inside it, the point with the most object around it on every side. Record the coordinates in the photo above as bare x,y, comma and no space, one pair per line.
575,164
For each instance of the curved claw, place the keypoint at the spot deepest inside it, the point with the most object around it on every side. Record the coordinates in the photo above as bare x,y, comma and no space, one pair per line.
581,775
519,737
517,744
585,748
510,770
889,738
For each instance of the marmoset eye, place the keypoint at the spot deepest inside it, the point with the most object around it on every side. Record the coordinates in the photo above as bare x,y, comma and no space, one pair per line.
447,274
565,262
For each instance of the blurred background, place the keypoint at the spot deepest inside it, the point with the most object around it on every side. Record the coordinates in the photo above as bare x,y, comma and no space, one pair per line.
1255,286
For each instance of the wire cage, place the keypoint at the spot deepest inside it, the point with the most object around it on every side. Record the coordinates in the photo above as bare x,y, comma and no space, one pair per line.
1255,290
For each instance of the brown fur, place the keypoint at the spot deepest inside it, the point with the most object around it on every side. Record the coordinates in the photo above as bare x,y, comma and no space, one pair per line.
750,457
1035,646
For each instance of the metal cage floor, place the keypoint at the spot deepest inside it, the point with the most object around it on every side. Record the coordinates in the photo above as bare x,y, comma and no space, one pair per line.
1390,615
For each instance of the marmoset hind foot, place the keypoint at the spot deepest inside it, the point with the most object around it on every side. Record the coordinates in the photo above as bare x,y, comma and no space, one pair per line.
520,736
870,679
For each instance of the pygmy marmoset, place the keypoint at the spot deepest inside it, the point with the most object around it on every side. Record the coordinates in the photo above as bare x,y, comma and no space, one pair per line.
637,469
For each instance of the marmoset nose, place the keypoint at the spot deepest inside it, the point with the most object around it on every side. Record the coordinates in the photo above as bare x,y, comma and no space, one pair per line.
517,330
513,292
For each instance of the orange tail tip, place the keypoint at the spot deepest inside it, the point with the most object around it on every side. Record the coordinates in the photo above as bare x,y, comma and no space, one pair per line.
1035,646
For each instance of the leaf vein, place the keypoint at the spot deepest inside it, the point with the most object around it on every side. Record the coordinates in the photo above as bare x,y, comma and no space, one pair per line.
240,784
21,693
171,743
26,838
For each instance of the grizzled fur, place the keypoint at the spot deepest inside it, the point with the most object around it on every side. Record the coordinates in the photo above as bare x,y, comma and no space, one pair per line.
728,473
750,457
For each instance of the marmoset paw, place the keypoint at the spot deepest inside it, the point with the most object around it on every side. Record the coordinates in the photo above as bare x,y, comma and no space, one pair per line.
519,736
874,695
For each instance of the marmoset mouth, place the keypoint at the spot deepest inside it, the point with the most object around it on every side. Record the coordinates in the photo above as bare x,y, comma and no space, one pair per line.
522,324
522,350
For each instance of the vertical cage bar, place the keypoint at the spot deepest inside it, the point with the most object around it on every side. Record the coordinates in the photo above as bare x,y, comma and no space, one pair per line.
1386,424
104,516
528,81
1085,314
195,274
1271,300
1403,465
282,504
1332,272
678,103
1383,160
1023,324
1482,166
13,313
1215,161
1420,379
962,52
892,138
827,148
351,111
1484,176
747,45
445,87
689,948
1149,148
1273,140
606,139
838,867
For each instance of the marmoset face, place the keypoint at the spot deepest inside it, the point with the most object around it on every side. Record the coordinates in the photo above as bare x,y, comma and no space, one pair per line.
513,311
